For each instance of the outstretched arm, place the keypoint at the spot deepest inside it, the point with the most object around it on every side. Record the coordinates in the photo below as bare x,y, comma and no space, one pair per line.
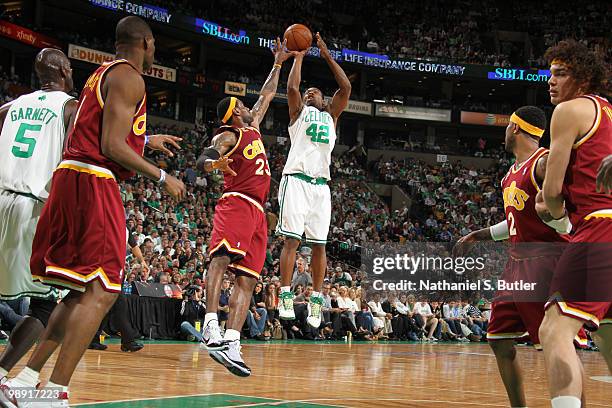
213,157
342,95
268,90
123,89
294,97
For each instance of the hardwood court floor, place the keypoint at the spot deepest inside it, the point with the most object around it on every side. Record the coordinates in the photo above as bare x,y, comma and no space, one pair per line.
298,374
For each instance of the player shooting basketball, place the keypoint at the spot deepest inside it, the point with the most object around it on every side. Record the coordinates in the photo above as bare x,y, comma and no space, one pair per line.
304,196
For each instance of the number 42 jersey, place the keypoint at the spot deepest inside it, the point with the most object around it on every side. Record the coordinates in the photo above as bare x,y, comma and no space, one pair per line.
32,141
313,136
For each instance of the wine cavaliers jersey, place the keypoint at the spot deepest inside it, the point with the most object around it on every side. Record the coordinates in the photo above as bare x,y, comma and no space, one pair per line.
520,188
579,187
250,163
85,138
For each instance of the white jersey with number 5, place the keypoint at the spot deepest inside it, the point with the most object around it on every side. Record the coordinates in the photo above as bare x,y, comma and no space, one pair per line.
313,136
32,141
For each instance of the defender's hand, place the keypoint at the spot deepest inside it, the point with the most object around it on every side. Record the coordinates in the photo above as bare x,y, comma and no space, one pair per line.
280,52
541,208
223,165
158,142
175,187
465,244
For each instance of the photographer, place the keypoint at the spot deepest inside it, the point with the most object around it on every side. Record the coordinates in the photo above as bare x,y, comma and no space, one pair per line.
192,309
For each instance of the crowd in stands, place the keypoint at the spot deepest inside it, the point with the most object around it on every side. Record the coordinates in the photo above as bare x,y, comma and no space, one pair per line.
452,199
173,238
464,32
11,86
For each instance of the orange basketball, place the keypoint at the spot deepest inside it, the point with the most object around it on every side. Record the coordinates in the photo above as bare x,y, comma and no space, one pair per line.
298,37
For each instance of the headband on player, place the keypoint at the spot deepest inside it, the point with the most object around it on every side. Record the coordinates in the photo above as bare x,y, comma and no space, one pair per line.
526,126
230,108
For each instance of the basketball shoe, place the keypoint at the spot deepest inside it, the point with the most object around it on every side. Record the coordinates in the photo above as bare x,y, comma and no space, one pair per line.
315,304
232,359
213,340
36,398
285,306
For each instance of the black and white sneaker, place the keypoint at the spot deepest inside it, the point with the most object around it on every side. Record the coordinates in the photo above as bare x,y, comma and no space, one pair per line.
232,359
213,341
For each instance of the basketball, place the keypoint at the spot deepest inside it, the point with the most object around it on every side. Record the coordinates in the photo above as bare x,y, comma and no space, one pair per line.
298,37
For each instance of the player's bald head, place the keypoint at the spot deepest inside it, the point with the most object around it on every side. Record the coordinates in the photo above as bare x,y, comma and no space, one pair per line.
49,63
131,29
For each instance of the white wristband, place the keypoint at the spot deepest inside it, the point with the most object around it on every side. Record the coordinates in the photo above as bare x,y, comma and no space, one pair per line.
562,225
500,231
162,177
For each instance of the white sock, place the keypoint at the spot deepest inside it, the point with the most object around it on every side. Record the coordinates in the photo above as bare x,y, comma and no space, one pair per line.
285,289
208,317
565,402
62,388
315,294
3,372
231,335
28,376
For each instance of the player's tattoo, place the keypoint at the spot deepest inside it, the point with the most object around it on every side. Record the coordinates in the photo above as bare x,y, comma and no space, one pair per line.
268,90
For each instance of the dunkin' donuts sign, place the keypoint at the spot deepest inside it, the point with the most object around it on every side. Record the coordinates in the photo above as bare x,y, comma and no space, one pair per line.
98,57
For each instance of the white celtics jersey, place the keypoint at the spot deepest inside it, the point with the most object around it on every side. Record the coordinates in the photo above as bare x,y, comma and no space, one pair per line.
313,136
32,141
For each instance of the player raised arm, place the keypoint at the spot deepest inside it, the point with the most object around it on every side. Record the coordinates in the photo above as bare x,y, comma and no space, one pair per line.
213,157
294,97
268,90
123,90
342,95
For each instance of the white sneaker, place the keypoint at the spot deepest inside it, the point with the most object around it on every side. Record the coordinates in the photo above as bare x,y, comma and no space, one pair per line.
8,389
232,359
314,311
285,306
212,337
